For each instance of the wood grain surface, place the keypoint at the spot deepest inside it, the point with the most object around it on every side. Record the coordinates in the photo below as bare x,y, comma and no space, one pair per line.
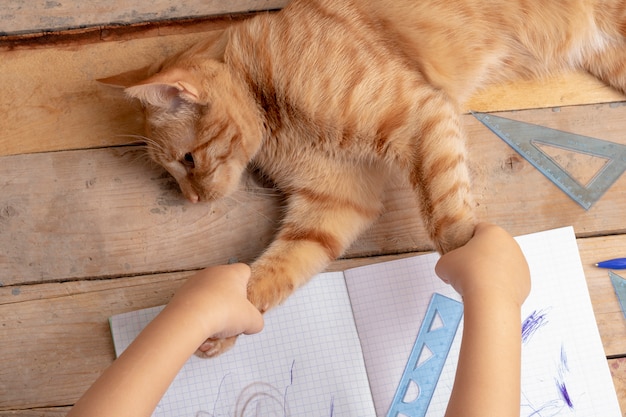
90,228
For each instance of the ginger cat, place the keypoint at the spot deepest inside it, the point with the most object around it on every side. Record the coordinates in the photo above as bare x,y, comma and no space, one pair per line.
326,97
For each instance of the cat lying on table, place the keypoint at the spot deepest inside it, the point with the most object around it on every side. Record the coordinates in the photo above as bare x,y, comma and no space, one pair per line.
326,97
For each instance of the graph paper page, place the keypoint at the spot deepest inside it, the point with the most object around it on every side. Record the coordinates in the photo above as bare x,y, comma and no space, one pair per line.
564,369
389,301
306,362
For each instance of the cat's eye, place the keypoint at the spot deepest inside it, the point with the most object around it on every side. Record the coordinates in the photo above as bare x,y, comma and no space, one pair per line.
188,160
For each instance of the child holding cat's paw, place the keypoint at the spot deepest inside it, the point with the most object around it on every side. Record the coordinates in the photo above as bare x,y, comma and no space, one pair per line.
491,274
212,303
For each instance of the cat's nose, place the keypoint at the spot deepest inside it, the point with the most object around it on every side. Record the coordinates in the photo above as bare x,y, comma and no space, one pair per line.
193,197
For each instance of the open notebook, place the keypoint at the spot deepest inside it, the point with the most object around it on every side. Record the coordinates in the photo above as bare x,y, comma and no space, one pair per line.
344,344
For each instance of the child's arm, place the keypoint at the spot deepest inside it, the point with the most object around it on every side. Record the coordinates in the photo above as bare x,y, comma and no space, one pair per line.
211,303
491,274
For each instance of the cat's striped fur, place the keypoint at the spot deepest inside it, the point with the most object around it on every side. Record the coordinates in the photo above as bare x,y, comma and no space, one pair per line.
327,97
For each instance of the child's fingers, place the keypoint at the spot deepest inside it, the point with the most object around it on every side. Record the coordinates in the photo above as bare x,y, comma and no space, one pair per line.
246,320
256,322
457,263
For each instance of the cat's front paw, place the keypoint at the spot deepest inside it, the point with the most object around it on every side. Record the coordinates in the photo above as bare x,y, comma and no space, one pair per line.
455,235
215,347
268,292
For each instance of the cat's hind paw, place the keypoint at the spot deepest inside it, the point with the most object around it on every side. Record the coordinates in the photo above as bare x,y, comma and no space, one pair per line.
215,347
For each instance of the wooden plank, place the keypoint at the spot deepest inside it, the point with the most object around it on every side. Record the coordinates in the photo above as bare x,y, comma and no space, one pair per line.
563,90
60,344
28,16
80,208
51,101
609,315
103,212
60,340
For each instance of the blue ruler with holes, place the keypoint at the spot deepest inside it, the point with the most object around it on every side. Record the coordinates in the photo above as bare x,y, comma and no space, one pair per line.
427,358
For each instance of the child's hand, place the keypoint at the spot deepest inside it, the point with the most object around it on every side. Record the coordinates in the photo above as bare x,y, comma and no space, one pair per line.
216,297
491,261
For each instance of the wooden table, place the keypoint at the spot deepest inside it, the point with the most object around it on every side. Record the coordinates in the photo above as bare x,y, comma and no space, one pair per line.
88,229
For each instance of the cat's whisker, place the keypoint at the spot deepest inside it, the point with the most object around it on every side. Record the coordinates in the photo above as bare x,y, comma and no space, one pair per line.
141,139
247,207
156,146
144,158
139,155
225,205
261,191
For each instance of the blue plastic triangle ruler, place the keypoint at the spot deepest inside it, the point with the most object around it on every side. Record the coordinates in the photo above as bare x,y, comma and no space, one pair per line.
526,139
427,358
619,285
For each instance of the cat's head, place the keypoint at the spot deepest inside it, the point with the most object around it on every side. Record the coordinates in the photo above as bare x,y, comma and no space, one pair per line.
202,124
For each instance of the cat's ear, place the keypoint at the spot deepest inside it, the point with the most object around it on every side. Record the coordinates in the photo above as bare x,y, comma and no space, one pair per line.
166,88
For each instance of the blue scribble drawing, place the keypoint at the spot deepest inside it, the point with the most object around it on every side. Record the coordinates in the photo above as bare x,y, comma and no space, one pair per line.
563,392
564,365
560,379
535,320
554,407
217,397
549,409
261,399
563,399
287,388
219,390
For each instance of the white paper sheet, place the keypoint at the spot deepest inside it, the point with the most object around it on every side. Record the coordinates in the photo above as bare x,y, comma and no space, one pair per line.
564,370
310,361
306,362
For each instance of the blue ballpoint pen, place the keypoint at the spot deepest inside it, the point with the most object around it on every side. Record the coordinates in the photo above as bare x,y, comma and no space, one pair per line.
617,263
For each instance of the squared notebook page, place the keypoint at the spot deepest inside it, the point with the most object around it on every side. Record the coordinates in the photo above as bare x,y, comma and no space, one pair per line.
306,362
564,369
389,301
